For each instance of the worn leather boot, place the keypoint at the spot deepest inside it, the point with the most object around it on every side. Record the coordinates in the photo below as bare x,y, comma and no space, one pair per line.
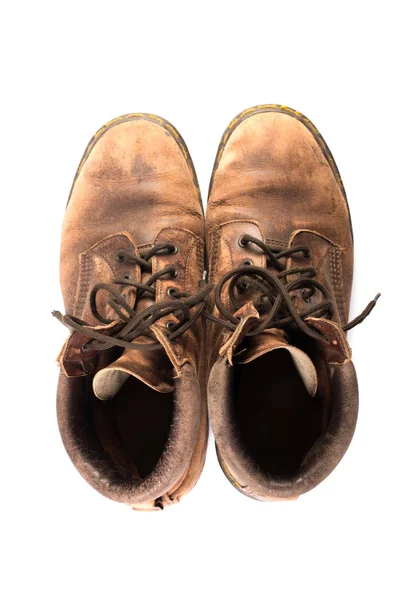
283,396
131,400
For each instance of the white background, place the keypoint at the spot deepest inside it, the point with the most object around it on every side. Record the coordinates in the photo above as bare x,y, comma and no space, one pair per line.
69,67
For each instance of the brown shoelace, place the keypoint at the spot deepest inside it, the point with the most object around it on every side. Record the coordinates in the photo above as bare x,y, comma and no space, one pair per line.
275,290
131,323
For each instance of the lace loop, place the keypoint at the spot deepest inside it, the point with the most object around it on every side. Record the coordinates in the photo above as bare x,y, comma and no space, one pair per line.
278,292
133,324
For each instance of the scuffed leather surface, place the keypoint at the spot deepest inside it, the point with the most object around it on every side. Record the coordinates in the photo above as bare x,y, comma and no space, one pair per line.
273,180
99,264
336,349
331,262
273,176
74,361
273,164
135,179
135,186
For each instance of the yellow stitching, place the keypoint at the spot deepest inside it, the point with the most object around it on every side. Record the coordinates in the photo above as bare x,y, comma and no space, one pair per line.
283,108
165,124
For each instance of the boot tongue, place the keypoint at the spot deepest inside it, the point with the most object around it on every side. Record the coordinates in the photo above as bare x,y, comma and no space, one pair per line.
275,339
152,368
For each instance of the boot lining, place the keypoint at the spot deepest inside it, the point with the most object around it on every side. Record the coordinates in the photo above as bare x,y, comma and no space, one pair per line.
277,419
134,426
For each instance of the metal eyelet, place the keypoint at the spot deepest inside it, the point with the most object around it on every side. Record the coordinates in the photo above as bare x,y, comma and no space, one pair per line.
248,262
171,291
119,257
175,249
174,273
307,254
126,276
243,243
170,325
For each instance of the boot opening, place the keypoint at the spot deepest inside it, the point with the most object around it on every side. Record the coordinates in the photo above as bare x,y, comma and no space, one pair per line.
133,427
136,446
278,420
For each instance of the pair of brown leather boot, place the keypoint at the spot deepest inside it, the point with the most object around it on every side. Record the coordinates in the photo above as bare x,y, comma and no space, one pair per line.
256,323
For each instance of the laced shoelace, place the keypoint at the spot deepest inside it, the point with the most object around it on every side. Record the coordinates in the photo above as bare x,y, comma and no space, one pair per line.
275,290
133,324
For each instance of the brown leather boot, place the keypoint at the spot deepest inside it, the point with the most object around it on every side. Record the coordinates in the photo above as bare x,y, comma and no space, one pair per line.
131,408
283,396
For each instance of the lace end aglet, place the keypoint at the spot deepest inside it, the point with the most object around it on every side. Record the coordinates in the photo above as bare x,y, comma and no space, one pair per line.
57,315
375,300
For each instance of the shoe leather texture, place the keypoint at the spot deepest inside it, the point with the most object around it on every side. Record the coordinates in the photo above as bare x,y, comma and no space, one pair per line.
282,400
274,179
135,188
